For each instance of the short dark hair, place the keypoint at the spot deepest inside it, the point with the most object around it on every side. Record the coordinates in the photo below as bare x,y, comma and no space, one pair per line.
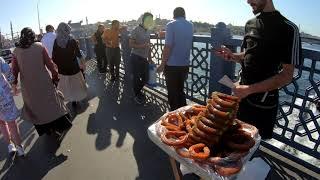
145,15
114,22
49,28
179,12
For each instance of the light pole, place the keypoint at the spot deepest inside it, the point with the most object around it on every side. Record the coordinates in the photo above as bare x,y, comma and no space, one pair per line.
0,39
38,16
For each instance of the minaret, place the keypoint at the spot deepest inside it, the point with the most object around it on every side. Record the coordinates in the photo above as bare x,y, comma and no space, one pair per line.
0,39
11,30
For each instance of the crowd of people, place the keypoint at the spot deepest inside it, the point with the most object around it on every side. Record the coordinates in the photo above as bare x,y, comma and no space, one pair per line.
44,94
50,75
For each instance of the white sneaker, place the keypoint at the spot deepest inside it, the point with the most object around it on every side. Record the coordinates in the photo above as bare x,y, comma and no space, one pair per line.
12,148
20,150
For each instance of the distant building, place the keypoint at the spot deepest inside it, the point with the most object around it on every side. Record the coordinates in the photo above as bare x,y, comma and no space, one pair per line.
76,29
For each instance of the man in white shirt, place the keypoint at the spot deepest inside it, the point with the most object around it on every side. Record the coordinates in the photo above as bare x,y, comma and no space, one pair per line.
48,39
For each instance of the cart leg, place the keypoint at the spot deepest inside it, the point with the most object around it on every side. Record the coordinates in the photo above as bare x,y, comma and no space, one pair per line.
175,169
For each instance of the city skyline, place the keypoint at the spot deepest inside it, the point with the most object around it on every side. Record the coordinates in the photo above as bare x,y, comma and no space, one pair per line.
212,11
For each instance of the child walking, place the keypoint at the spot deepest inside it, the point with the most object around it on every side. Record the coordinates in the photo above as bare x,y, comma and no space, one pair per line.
8,111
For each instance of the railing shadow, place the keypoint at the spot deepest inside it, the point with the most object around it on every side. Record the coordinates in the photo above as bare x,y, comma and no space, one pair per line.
41,158
116,111
38,162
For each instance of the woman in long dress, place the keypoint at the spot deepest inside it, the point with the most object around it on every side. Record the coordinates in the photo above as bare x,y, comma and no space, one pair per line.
64,55
43,104
8,111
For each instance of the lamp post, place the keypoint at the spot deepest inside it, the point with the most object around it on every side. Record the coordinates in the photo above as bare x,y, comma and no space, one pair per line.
38,16
0,39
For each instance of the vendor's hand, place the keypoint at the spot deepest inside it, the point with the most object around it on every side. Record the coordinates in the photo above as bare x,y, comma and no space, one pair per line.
224,53
160,69
242,91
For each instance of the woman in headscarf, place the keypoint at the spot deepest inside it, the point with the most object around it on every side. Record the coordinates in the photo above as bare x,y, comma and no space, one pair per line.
64,55
43,104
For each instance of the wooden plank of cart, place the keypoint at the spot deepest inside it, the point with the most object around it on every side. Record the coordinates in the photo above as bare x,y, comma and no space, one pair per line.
188,163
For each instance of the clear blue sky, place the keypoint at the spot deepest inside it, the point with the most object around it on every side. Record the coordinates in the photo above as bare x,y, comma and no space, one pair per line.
23,13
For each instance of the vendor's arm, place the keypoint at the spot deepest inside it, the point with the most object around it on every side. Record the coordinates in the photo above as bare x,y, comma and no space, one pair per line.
228,55
275,82
290,56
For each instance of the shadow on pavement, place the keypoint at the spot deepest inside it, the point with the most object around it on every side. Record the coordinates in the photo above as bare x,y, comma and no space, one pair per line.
117,111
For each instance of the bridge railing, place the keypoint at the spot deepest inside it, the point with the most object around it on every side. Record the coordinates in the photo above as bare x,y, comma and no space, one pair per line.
197,84
294,151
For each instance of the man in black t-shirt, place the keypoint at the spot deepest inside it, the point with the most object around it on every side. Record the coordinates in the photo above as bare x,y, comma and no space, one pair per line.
100,49
271,50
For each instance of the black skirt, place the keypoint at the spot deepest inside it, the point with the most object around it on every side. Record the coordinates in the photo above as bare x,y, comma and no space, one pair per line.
59,125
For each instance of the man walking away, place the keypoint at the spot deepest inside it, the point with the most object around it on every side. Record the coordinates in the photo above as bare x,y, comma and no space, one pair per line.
176,57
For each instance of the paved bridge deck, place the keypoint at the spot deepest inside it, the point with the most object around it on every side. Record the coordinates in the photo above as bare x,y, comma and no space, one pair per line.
108,140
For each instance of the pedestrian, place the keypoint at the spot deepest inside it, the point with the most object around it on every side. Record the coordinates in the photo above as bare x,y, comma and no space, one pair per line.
141,55
176,57
100,49
43,104
64,55
8,111
271,50
81,61
48,39
111,39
